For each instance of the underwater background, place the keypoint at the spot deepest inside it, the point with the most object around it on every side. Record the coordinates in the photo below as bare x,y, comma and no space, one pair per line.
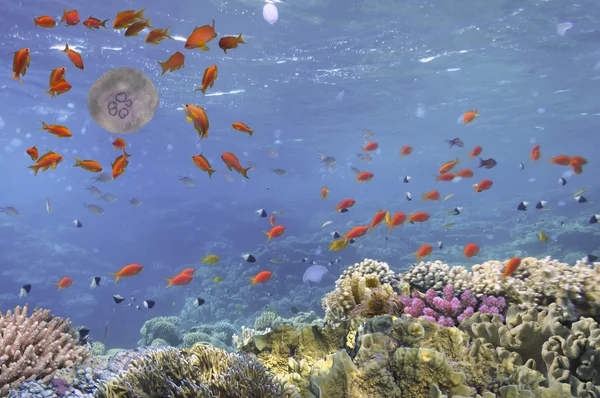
323,80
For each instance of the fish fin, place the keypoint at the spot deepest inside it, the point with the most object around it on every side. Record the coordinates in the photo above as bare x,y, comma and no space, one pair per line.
103,23
189,119
240,39
269,236
16,76
164,67
204,47
170,282
252,280
66,50
210,172
244,172
35,169
117,276
225,50
77,162
147,23
140,13
166,33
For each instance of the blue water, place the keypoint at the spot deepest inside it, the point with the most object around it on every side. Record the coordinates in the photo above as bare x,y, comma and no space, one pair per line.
313,81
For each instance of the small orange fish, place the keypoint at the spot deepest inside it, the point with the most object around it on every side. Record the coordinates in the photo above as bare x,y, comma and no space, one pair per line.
561,160
71,18
200,36
324,192
127,271
125,18
406,150
229,42
119,165
94,23
74,56
33,153
579,159
511,266
89,165
475,152
44,21
48,160
157,35
419,216
432,195
189,271
423,252
446,167
21,62
208,79
261,277
57,76
64,283
356,232
119,143
59,131
469,116
202,163
272,221
397,220
371,146
183,278
239,126
465,173
195,114
175,62
535,153
364,176
59,88
445,177
232,162
484,185
378,218
345,204
471,250
276,231
137,27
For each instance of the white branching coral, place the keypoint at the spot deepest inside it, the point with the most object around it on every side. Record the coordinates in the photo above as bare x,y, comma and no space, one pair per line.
35,347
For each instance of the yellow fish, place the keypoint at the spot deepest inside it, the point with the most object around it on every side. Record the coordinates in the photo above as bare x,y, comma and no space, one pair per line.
448,197
217,279
338,244
543,237
211,259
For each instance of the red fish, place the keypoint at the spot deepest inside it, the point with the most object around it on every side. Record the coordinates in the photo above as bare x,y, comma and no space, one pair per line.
175,62
59,88
446,167
471,250
465,173
57,76
445,177
561,160
119,165
406,150
276,231
33,153
475,152
483,186
397,220
119,143
127,271
535,153
74,56
198,116
272,220
232,162
423,252
64,283
433,195
261,277
125,18
511,266
94,23
378,218
200,36
183,278
239,126
44,21
419,216
203,164
356,232
229,42
21,62
469,116
71,18
345,204
364,176
324,192
371,146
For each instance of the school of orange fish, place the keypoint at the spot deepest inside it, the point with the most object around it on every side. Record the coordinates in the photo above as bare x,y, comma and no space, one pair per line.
133,22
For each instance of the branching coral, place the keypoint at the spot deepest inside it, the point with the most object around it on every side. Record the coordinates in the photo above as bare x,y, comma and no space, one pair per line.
34,347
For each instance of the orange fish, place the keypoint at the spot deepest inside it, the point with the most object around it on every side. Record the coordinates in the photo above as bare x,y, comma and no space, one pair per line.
232,162
272,220
423,252
125,18
345,204
119,143
89,165
48,160
261,277
356,232
64,283
475,152
579,159
378,218
469,116
433,195
71,18
471,250
94,23
33,152
44,21
198,116
203,164
119,165
157,35
274,232
229,42
137,27
57,76
397,220
183,278
406,150
371,146
239,126
59,88
74,56
127,271
419,216
535,153
189,271
175,62
200,36
21,62
561,160
208,79
445,177
59,131
484,185
324,192
465,173
364,176
511,266
446,167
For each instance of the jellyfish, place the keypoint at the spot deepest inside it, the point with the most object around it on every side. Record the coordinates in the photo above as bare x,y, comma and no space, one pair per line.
270,13
562,28
314,273
122,100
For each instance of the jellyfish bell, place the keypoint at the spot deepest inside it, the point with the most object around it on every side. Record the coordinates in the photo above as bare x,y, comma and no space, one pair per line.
270,13
122,100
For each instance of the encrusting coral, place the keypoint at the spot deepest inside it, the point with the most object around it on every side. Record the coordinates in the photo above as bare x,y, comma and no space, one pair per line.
35,347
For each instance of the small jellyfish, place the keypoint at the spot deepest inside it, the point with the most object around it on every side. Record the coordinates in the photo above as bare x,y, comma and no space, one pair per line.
270,13
562,28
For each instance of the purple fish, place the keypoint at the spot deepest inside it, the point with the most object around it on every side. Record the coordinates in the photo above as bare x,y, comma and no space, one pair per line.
456,141
487,163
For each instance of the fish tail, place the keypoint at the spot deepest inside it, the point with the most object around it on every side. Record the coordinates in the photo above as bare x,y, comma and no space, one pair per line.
77,162
269,236
147,23
35,168
166,33
253,280
210,172
44,125
66,50
35,21
64,17
57,285
51,93
140,13
456,161
16,76
250,132
244,172
170,282
549,164
203,89
103,23
240,39
164,67
475,112
116,275
423,197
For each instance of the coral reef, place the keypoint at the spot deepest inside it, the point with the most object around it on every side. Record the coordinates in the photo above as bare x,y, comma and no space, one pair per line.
35,347
163,328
